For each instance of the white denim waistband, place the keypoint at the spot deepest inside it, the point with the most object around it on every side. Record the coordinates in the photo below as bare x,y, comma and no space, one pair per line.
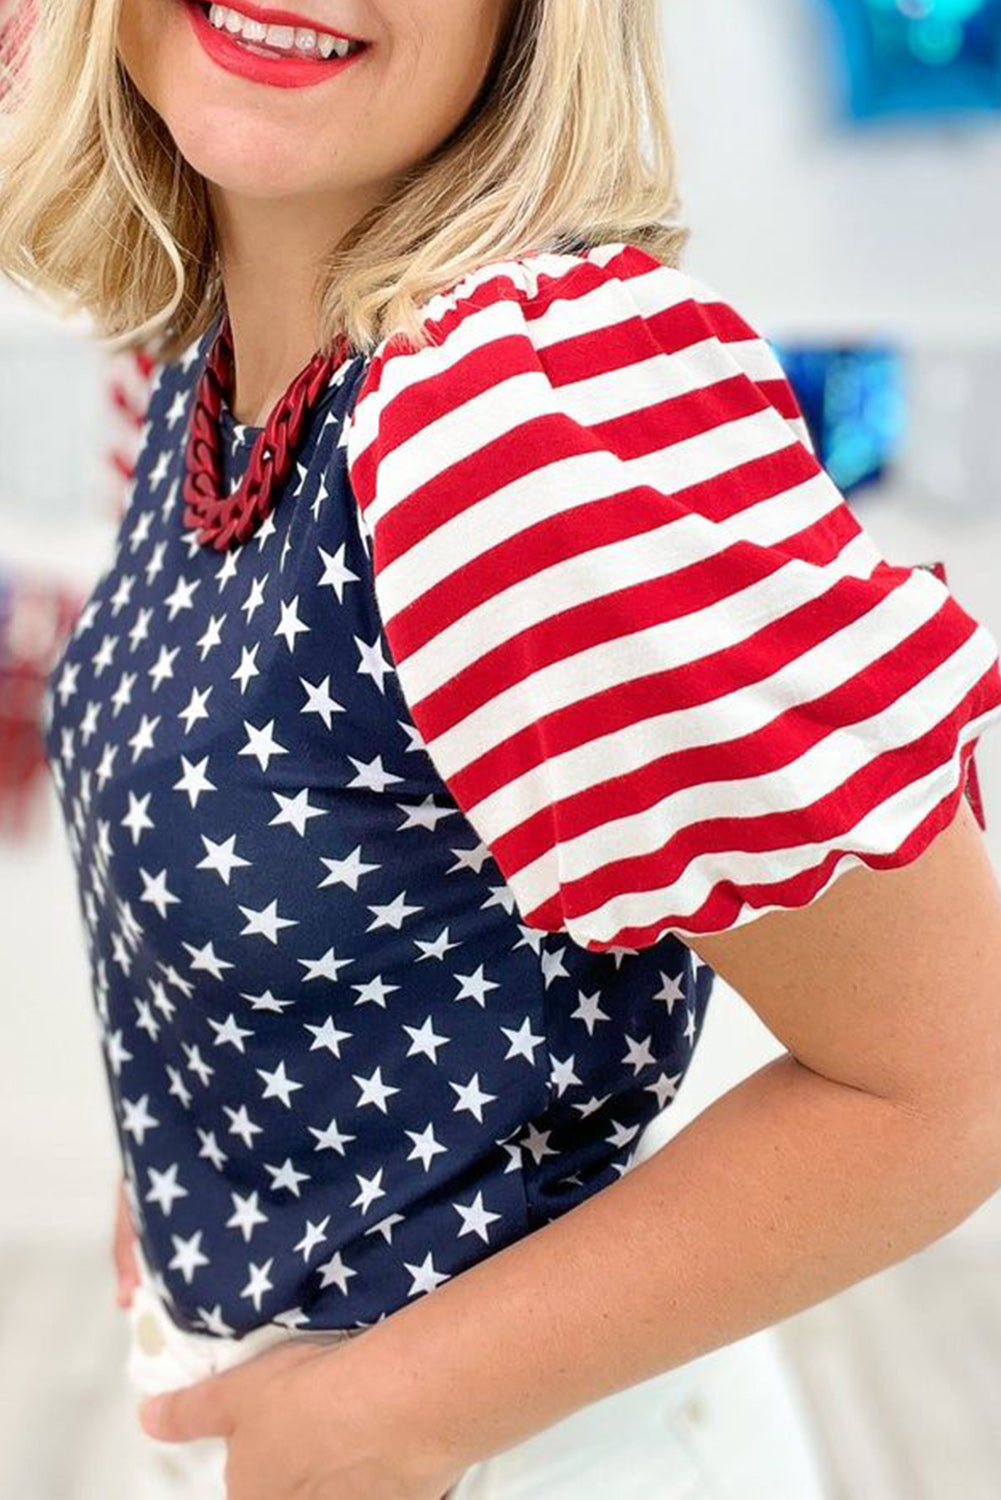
163,1356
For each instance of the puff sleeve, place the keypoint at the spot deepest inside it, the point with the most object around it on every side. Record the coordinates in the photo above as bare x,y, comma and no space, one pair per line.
660,666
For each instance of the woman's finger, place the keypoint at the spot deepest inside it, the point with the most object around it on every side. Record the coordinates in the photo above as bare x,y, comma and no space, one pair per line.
124,1251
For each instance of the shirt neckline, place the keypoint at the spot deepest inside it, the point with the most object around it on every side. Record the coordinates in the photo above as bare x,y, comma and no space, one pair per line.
238,435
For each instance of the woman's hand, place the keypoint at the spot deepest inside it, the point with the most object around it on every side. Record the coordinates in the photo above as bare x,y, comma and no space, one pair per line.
308,1420
124,1250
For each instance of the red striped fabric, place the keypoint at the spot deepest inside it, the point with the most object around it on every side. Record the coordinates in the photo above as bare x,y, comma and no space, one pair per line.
663,670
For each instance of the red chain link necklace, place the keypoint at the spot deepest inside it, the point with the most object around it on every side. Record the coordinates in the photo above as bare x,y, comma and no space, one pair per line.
222,519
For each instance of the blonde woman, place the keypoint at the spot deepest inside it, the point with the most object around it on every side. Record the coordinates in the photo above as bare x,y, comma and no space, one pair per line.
485,662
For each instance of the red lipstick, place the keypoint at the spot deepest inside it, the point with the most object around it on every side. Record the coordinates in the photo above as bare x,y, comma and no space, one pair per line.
291,71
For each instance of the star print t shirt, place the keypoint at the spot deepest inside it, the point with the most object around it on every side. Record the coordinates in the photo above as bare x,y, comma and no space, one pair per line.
557,646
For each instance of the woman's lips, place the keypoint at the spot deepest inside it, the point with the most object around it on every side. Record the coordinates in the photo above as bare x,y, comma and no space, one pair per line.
288,71
269,16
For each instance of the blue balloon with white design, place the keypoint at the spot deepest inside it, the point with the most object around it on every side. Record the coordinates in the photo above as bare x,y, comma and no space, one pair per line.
916,58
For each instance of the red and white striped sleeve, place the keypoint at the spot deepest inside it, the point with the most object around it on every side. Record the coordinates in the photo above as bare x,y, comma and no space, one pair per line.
662,669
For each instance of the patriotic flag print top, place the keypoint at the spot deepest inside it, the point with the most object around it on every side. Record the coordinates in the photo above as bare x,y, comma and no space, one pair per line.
558,646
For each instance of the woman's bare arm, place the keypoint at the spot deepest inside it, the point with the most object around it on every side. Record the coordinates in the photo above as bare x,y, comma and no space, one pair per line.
878,1131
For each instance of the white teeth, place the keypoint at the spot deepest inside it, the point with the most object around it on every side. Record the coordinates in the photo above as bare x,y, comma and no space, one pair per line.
301,40
280,36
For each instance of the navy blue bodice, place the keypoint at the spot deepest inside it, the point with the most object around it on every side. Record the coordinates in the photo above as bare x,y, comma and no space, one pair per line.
342,1068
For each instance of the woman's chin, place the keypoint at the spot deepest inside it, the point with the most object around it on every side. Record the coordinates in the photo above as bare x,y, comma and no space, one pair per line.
235,161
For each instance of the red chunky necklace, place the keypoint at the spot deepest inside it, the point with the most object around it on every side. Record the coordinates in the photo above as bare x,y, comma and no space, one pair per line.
222,519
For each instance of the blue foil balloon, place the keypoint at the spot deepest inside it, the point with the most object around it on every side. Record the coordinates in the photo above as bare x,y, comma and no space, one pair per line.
921,57
854,403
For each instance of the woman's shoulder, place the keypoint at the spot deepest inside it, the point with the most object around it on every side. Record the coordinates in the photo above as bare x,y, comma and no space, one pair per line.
536,279
607,325
597,339
553,296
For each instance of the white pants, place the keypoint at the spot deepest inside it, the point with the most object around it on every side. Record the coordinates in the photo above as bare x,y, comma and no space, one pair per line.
726,1426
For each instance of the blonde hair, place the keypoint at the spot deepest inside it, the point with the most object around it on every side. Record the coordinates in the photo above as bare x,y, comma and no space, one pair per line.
99,211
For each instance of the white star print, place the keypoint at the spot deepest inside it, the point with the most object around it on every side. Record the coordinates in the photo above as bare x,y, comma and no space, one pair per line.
296,811
196,708
262,744
589,1011
475,1218
330,1139
136,819
205,959
136,1118
187,1255
475,986
246,1215
372,774
325,967
222,858
665,1088
241,1124
369,1189
165,1188
670,991
313,1236
290,626
426,1148
163,667
426,814
194,781
393,914
277,1084
286,1176
523,1041
373,1090
156,893
265,923
562,1075
425,1039
372,661
335,573
248,668
436,949
259,1282
229,1032
327,1036
471,1096
425,1276
335,1273
639,1054
347,871
374,992
319,700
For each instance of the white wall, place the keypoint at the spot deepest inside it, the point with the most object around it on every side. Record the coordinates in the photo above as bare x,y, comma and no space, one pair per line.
814,226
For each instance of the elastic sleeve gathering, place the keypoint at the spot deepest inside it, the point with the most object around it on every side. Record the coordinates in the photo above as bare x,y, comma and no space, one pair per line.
662,669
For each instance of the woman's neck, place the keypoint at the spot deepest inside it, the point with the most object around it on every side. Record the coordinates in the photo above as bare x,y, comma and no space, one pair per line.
269,254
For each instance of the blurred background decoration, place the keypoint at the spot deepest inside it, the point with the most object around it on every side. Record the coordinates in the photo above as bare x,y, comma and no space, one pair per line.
855,405
870,258
82,470
35,615
16,22
920,57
